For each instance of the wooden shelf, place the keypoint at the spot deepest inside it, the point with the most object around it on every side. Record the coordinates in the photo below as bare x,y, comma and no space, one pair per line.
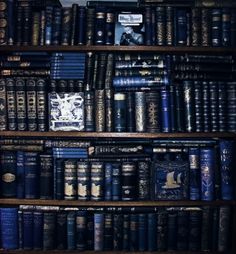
156,49
76,134
78,203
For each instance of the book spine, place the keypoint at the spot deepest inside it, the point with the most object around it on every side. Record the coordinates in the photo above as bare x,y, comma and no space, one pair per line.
74,24
109,109
10,22
142,232
90,22
108,232
81,25
181,27
231,109
3,102
129,172
90,230
161,25
11,104
109,28
35,29
194,167
133,244
108,181
172,228
20,229
20,174
26,29
226,169
222,111
140,111
46,176
169,26
206,228
189,106
31,175
8,174
4,21
81,230
42,28
83,180
130,114
143,180
206,107
9,225
226,29
207,158
214,104
31,104
179,108
49,230
182,230
198,101
56,26
126,232
194,239
28,230
59,178
148,26
71,230
97,178
19,25
120,112
116,181
172,109
66,26
117,232
98,232
233,28
196,27
162,232
61,231
99,31
89,111
38,230
224,228
70,180
41,104
100,110
165,110
48,25
152,231
216,27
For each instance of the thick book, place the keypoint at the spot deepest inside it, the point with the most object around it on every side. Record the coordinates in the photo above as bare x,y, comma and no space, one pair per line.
11,104
38,230
97,181
70,181
66,26
66,111
99,31
31,104
28,230
83,180
129,176
20,174
49,230
3,103
81,230
98,231
61,230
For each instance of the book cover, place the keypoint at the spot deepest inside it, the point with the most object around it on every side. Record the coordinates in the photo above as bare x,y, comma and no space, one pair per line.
71,230
61,230
11,104
83,180
38,230
98,231
20,174
49,230
182,230
108,232
142,232
3,105
117,232
66,111
81,228
129,29
28,230
70,181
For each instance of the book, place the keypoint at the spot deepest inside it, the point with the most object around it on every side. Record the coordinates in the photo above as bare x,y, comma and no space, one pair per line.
31,104
11,104
117,231
38,230
194,174
49,230
97,177
20,174
117,177
70,179
129,176
171,228
83,180
28,230
119,114
61,230
66,111
108,232
71,230
3,103
98,231
66,26
140,111
142,231
182,230
81,230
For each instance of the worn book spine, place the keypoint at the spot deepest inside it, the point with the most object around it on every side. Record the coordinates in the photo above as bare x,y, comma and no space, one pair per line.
161,25
129,173
216,27
49,12
226,168
182,230
58,178
99,30
70,180
3,103
61,231
81,230
74,24
98,231
35,29
89,110
56,26
120,112
116,181
214,106
66,26
71,230
38,230
9,224
206,228
165,111
180,127
206,107
100,110
31,175
31,104
162,230
172,109
148,25
152,231
194,167
207,165
49,230
169,25
21,104
19,24
195,26
28,230
108,181
222,109
126,234
143,168
90,23
140,111
90,230
8,174
189,106
117,232
20,229
205,27
108,232
97,178
226,27
20,174
46,176
130,112
83,180
133,235
82,26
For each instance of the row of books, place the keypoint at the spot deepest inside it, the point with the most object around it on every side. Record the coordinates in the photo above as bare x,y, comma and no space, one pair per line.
78,25
161,229
196,171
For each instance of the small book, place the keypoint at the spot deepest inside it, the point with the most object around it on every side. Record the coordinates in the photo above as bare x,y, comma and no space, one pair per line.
129,29
66,111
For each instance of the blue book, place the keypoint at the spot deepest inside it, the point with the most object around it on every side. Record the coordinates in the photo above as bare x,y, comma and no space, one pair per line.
61,230
226,27
108,181
28,239
152,232
181,27
172,228
134,232
38,230
165,110
226,169
108,232
126,232
142,232
9,228
117,231
81,227
207,164
10,21
116,181
216,27
194,173
20,174
48,25
194,236
20,229
59,179
31,175
162,230
182,230
120,112
98,231
49,230
71,230
81,25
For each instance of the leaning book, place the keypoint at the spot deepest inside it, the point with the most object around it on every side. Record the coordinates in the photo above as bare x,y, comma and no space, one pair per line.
66,111
129,29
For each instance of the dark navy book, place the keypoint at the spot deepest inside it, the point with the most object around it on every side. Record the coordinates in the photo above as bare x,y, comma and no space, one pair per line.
9,228
31,175
49,230
81,230
117,231
28,239
206,234
71,230
108,181
142,232
194,237
226,27
98,231
165,111
207,165
59,178
38,230
172,228
20,174
226,168
108,232
116,181
120,112
182,230
81,25
171,178
181,27
61,230
194,173
152,232
126,230
216,32
162,230
134,232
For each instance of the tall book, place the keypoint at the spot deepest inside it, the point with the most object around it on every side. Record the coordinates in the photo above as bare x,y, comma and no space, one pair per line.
31,104
117,231
28,230
20,174
49,230
66,26
108,232
194,173
61,230
81,227
3,103
172,228
71,230
182,230
41,104
97,178
38,230
11,104
129,176
194,237
70,180
162,230
83,180
98,231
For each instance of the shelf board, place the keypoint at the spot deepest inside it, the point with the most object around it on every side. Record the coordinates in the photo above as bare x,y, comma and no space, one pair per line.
86,48
76,134
78,203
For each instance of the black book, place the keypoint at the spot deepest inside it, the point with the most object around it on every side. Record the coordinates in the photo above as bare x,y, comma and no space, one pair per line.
194,238
31,104
130,115
214,105
66,26
26,29
170,25
182,230
108,232
207,215
222,109
198,101
161,25
90,23
117,231
3,102
143,180
61,230
81,29
42,28
126,232
56,26
196,27
49,230
216,27
180,126
35,29
133,235
206,107
11,104
99,31
172,228
128,181
231,108
28,230
19,24
48,24
74,24
162,230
